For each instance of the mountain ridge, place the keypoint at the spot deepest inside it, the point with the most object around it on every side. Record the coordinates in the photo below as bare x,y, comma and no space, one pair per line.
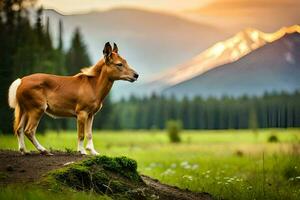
273,67
222,53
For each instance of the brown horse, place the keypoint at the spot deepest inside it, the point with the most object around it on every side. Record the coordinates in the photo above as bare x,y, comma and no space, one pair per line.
79,96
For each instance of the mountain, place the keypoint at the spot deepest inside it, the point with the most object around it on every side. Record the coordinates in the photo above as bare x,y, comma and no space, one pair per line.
235,15
251,62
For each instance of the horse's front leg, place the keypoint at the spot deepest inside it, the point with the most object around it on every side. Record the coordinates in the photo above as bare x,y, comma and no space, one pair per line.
89,136
81,123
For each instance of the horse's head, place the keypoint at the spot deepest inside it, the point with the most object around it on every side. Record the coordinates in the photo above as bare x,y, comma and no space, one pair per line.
116,66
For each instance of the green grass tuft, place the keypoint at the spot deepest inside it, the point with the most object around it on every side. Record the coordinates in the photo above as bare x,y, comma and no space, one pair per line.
32,192
291,170
273,138
3,175
123,165
101,174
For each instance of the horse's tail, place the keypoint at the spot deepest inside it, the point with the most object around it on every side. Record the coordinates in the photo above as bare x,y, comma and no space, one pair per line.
12,93
13,102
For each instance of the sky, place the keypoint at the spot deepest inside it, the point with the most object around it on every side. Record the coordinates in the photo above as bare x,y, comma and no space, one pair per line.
82,6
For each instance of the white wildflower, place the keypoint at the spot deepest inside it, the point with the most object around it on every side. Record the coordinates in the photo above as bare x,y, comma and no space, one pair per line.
195,166
184,163
152,165
188,177
187,166
168,172
173,165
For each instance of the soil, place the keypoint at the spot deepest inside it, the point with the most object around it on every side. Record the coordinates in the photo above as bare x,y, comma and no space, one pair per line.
17,168
173,192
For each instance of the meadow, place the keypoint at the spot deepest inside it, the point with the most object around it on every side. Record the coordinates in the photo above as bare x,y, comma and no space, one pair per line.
229,164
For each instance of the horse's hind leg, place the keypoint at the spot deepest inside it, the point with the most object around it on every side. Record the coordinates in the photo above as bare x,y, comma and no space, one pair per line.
20,135
19,122
32,123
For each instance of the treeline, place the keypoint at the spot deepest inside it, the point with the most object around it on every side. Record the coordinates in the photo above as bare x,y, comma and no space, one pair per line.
270,110
26,47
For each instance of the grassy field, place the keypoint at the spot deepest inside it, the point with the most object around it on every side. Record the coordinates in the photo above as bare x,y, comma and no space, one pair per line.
228,164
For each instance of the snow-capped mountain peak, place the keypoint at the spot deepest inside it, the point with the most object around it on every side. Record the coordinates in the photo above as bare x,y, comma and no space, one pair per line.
222,53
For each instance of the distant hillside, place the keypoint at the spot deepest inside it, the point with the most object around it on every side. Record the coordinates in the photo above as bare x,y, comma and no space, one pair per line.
275,66
151,41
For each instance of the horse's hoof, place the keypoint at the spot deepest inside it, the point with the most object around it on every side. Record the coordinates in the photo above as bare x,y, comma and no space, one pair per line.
92,151
83,153
25,153
46,153
95,153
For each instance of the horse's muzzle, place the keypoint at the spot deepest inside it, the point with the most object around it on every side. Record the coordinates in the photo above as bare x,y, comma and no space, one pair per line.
135,75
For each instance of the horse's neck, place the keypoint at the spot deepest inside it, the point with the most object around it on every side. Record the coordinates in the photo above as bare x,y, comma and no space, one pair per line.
103,84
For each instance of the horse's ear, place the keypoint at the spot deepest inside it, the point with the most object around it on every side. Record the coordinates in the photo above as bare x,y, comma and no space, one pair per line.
115,49
107,50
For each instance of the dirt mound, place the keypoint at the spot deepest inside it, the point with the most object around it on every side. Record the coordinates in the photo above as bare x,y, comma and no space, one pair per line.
115,177
173,192
17,168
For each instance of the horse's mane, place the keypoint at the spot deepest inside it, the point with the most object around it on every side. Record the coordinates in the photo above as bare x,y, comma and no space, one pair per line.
88,71
91,71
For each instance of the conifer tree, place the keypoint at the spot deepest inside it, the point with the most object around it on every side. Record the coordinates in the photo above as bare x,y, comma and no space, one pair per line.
77,56
60,35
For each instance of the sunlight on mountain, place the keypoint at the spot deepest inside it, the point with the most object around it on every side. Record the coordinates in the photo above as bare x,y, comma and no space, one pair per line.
218,49
270,37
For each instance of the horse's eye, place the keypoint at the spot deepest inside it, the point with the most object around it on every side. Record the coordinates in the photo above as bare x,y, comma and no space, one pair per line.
119,64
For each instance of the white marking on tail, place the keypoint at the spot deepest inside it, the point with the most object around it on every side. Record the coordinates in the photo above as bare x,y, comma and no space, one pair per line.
12,92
